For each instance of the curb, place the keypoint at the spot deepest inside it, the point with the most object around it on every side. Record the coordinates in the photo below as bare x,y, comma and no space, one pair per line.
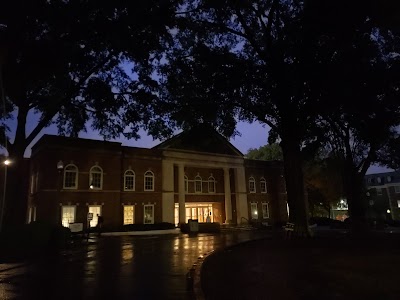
197,290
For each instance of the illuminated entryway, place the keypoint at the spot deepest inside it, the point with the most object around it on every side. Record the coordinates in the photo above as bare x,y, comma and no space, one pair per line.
200,211
95,210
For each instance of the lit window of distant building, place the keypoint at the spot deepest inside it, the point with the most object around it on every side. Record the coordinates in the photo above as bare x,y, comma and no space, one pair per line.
254,210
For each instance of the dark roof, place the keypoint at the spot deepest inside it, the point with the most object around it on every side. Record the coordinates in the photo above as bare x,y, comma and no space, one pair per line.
55,141
200,139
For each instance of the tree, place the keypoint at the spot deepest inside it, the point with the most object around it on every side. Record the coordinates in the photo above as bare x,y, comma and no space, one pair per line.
267,152
66,62
283,63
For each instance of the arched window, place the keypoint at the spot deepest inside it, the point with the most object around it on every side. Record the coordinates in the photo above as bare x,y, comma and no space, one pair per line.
149,181
96,178
129,180
70,177
186,184
252,185
211,184
263,185
197,184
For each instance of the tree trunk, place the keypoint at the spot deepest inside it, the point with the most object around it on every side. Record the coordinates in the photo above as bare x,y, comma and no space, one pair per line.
353,185
298,205
16,185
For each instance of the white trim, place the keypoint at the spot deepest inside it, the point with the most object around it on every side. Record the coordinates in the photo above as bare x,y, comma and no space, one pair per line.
144,216
134,180
76,176
146,175
196,179
96,172
263,181
262,208
252,205
252,180
211,180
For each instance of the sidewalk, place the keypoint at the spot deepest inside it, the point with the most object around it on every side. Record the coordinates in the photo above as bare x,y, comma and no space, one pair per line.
320,268
146,232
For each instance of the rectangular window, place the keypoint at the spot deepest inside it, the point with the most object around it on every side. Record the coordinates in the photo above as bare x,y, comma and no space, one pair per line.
265,210
95,210
129,214
379,191
148,183
129,183
398,203
197,186
149,214
263,186
68,215
397,189
254,210
70,180
211,186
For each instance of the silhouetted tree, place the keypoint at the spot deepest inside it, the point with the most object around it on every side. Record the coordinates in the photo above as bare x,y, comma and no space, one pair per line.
67,63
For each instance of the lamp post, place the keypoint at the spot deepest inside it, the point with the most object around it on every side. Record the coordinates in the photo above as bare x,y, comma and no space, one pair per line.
6,162
60,167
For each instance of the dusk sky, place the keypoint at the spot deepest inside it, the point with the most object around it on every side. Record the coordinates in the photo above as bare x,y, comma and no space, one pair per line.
252,135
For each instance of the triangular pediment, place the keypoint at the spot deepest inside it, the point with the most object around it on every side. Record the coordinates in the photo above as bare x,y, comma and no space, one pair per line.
200,139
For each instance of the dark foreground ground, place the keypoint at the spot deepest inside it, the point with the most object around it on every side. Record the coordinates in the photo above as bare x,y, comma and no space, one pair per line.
334,267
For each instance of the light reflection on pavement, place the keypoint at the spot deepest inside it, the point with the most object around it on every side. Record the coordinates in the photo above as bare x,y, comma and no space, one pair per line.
124,267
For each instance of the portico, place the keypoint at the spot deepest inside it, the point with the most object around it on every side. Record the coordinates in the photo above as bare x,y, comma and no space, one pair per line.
183,162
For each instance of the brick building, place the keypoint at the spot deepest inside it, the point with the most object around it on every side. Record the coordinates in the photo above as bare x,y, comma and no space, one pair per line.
384,194
195,174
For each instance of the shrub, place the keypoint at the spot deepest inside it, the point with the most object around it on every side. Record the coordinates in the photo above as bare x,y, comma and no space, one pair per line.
146,227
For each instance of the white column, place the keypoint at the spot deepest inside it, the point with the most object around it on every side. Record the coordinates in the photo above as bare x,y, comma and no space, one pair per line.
228,200
241,196
168,207
181,191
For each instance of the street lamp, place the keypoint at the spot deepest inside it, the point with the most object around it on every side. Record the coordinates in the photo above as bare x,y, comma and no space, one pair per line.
6,162
60,167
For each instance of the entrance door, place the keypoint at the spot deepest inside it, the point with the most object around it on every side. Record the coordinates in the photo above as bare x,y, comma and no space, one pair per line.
95,210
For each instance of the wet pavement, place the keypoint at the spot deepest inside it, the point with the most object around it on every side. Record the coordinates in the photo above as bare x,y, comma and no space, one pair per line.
123,267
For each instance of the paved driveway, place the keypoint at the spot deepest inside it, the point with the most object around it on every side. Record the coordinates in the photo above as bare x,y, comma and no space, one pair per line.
124,267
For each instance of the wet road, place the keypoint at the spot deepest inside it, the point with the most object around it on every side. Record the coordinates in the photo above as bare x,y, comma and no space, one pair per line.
124,267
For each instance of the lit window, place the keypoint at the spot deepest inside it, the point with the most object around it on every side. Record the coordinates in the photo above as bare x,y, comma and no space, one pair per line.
129,214
71,177
96,178
149,181
197,184
398,203
186,184
252,185
149,214
379,191
129,180
211,184
263,185
389,179
68,215
265,210
95,210
254,210
397,189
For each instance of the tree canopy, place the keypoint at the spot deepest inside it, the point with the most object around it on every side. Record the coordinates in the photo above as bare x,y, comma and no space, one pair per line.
267,152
